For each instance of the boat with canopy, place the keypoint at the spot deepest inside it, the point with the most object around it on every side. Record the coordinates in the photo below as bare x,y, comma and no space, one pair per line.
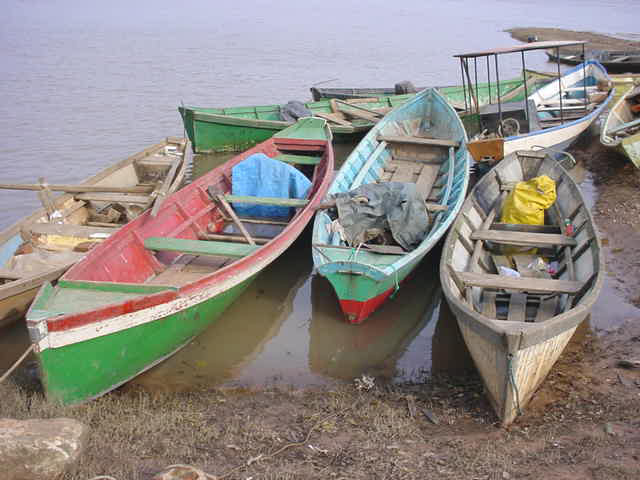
550,118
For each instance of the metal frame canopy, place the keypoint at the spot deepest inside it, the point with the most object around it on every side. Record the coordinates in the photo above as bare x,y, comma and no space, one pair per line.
470,92
523,48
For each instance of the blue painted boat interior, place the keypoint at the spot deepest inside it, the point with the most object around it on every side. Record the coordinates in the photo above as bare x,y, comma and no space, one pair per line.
427,115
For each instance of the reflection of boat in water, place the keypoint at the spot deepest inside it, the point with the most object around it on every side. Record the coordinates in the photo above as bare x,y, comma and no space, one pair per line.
341,350
221,352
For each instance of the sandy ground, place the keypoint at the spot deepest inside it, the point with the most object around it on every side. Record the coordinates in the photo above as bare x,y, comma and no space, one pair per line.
596,41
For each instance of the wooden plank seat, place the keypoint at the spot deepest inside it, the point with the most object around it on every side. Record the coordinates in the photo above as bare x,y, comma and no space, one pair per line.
523,239
199,247
298,159
438,142
334,118
12,274
155,161
556,107
521,284
522,227
113,198
281,202
69,230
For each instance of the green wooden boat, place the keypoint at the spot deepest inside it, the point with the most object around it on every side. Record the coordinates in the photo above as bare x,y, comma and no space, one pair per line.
422,142
158,282
238,128
510,90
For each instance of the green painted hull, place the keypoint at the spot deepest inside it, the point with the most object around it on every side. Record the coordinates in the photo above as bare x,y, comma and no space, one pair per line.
88,369
362,288
239,128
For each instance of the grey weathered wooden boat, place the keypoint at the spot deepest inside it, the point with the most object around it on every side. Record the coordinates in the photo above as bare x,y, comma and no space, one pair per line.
343,93
40,247
621,129
516,328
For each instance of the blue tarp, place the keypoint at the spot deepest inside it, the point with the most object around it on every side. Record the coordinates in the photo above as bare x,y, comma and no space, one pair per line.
261,176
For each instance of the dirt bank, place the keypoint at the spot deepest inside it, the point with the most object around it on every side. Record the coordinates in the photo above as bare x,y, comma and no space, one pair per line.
596,41
584,422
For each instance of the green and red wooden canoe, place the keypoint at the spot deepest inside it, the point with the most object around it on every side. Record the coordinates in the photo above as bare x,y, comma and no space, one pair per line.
421,142
159,281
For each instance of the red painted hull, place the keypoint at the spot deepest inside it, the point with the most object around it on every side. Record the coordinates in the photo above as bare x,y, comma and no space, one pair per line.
357,312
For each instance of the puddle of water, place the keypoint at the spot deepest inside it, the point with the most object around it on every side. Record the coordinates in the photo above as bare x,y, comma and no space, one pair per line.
287,328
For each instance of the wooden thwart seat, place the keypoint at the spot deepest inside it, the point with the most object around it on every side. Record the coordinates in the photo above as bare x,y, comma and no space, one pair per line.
69,230
523,239
199,247
521,284
298,159
521,227
11,274
281,202
113,198
334,118
418,140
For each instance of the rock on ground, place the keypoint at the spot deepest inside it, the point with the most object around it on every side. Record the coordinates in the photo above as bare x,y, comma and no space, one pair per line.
40,448
182,472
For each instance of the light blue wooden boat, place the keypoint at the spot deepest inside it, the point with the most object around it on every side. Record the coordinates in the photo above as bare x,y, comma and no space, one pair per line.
424,142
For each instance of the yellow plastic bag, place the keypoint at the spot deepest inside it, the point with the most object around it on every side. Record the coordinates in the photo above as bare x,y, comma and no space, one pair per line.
527,202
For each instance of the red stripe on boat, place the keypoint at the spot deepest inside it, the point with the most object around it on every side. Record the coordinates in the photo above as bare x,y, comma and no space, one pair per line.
67,322
357,311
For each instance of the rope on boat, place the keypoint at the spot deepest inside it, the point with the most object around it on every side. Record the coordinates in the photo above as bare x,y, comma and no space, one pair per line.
18,362
512,380
397,286
353,255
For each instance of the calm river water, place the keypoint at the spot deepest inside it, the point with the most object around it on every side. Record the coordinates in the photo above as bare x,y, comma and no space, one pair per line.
84,84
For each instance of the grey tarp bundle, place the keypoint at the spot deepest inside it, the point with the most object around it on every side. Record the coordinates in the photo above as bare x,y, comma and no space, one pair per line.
393,206
294,110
